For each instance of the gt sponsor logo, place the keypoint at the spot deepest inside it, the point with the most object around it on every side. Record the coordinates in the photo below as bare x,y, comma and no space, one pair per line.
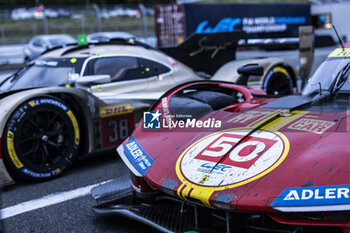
254,157
311,125
313,196
115,110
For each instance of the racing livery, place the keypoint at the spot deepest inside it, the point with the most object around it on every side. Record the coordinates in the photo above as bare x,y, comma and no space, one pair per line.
76,100
271,165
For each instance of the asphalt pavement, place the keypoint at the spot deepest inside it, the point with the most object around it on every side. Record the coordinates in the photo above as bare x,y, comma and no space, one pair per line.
72,215
64,204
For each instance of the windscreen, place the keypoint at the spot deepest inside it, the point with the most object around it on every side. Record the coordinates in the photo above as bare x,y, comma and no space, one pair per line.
325,75
48,72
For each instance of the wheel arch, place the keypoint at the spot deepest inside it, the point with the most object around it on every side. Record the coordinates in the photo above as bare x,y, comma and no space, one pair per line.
228,72
74,98
79,111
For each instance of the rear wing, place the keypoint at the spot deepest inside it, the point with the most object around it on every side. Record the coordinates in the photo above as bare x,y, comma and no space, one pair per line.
207,52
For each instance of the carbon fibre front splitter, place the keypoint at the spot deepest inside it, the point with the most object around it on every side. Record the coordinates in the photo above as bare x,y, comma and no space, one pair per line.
169,214
165,216
161,212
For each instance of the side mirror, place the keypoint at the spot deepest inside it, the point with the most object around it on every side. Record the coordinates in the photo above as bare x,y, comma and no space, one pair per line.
247,70
251,69
93,79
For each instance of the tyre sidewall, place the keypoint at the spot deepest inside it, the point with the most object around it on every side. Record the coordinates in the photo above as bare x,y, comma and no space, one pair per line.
16,164
278,70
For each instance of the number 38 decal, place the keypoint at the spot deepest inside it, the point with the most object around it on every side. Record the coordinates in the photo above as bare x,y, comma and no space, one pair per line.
257,155
114,130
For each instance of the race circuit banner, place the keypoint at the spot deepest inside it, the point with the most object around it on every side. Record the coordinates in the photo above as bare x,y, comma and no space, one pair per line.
272,20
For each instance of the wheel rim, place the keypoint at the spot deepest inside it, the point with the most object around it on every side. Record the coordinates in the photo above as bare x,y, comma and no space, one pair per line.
45,139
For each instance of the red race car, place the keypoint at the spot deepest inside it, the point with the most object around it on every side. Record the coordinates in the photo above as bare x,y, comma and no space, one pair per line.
219,157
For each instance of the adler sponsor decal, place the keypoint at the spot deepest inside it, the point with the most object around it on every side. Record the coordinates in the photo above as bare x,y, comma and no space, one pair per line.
313,196
137,156
306,194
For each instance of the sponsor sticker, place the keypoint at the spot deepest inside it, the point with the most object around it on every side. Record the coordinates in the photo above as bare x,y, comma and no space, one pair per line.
137,156
12,151
115,110
311,125
340,53
39,175
254,157
313,196
37,102
248,116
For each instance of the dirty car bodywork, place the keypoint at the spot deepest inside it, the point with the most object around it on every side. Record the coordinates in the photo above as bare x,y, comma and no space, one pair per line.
241,161
76,100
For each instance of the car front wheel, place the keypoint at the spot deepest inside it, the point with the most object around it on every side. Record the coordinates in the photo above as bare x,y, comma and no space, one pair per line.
41,139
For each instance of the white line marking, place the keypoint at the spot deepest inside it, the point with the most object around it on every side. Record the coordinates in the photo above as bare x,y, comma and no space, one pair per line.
45,201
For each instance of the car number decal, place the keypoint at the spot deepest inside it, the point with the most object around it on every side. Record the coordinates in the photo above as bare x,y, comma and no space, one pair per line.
253,156
256,156
116,129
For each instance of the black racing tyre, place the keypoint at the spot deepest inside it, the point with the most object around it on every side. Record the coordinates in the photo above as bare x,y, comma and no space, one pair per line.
278,81
41,139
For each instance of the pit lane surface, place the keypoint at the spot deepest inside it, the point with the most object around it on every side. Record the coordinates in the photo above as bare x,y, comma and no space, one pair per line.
76,215
72,215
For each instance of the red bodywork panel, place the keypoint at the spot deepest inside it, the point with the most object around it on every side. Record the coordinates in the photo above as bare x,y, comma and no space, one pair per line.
298,149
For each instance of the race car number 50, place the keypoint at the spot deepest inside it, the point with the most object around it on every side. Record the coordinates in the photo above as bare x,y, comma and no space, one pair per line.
244,155
259,154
